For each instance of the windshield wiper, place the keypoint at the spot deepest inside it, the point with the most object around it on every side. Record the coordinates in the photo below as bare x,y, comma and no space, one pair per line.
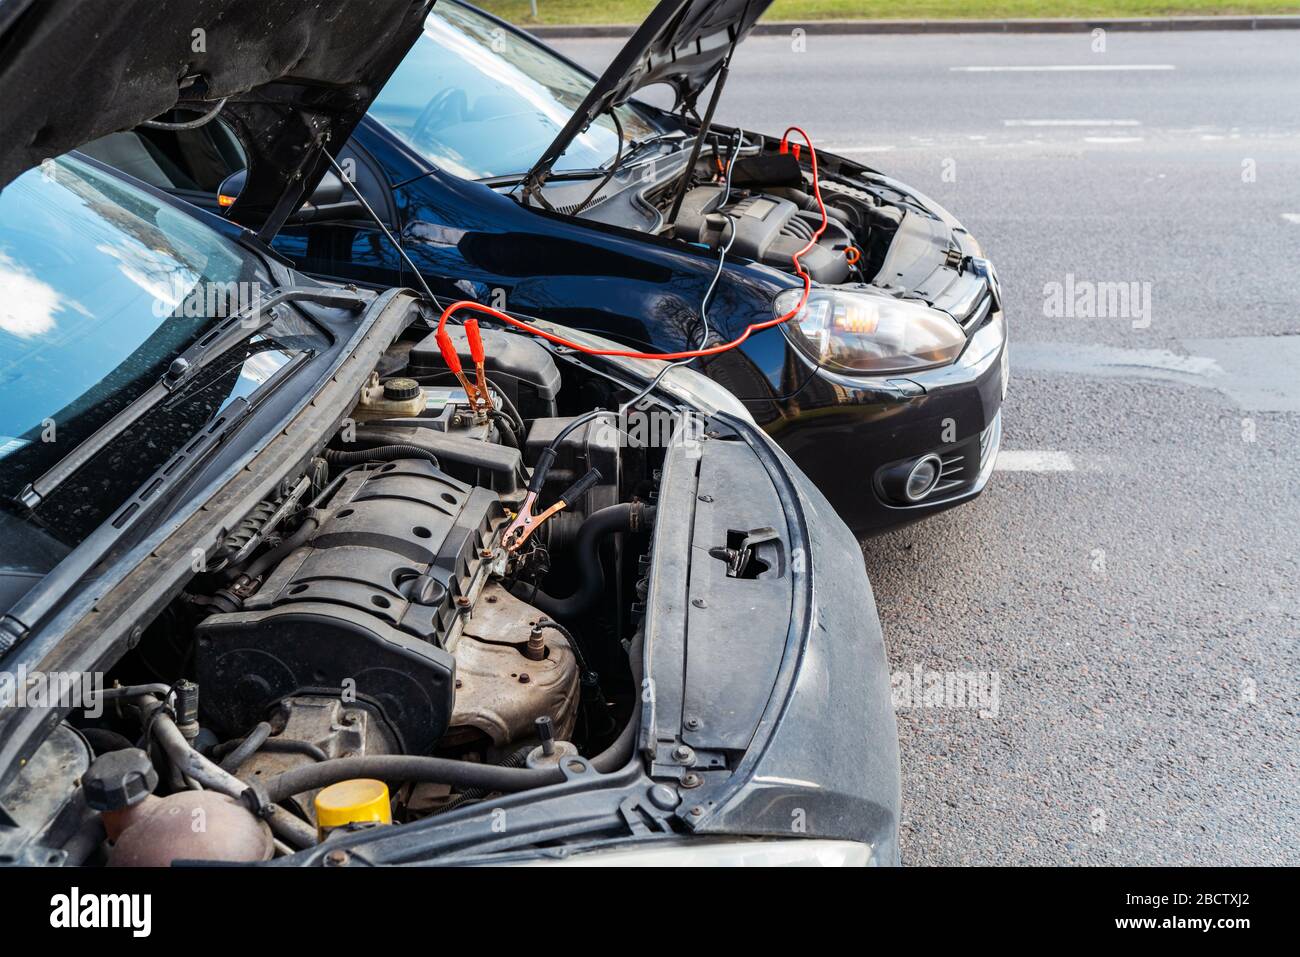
654,140
214,344
156,492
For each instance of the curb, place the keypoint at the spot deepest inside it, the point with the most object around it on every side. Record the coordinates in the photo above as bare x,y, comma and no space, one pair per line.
851,27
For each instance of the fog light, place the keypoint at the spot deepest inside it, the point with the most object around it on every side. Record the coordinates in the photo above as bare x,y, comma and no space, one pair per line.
922,479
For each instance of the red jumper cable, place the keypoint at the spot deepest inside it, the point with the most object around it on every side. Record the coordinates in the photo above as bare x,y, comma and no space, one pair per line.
478,394
453,361
525,522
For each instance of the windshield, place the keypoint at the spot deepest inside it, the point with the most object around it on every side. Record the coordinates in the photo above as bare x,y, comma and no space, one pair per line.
479,101
102,285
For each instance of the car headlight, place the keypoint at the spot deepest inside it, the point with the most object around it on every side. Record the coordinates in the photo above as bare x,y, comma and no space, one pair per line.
696,852
865,333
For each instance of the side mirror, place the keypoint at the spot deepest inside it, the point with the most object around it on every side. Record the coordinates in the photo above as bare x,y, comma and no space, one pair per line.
330,200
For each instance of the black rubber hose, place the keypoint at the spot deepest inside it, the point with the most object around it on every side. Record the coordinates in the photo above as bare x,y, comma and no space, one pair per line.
407,767
620,751
245,749
211,777
515,759
133,691
269,559
102,740
271,746
626,517
294,746
380,453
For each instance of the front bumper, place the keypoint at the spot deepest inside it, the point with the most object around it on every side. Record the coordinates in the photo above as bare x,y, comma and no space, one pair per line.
846,431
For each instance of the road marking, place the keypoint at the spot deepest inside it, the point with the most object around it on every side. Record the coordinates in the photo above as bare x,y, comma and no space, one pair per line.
1065,68
1112,139
1072,122
1034,461
1292,218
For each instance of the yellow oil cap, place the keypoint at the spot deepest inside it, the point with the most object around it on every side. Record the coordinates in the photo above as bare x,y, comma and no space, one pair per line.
359,801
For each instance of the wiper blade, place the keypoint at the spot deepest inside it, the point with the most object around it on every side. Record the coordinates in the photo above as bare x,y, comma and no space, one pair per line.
18,621
155,493
257,317
214,344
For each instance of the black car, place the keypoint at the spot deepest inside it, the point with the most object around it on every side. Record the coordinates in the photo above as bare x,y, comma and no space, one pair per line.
260,568
514,178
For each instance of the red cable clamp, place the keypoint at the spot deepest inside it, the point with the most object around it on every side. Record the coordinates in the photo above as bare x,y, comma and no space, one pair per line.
453,360
480,357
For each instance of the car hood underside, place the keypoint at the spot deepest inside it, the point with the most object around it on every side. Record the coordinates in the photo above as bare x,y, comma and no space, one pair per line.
298,75
682,43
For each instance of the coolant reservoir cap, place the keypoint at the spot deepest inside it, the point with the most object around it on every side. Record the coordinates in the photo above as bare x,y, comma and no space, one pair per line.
119,779
359,801
401,389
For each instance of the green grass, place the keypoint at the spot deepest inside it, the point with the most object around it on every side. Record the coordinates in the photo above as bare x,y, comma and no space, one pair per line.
631,11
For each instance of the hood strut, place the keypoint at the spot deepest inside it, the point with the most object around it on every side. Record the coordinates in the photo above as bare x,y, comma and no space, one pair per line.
682,43
699,138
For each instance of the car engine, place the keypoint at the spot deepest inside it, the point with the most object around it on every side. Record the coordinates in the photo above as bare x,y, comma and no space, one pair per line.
773,213
383,604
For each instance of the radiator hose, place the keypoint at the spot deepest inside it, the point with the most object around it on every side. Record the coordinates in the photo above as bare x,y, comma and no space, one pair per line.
625,517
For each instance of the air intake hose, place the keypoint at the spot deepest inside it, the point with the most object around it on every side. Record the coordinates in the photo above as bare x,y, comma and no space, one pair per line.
626,517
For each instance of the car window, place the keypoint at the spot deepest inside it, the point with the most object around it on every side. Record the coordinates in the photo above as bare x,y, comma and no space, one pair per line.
102,284
479,101
194,160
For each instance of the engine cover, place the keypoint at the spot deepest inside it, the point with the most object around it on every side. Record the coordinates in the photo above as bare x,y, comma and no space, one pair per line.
363,606
769,229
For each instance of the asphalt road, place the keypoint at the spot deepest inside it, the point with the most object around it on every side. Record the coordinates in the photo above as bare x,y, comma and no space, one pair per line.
1139,608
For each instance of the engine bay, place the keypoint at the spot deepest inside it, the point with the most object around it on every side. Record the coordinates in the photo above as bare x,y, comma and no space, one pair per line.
383,605
774,213
770,203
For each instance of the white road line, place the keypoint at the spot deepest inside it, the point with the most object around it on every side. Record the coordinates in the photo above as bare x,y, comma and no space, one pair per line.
1065,68
1113,139
1292,218
1071,122
1034,461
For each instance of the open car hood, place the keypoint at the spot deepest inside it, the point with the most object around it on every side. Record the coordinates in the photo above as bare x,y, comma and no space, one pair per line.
682,43
297,75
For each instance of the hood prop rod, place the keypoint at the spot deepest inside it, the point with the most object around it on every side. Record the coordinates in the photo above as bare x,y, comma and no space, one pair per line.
699,139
